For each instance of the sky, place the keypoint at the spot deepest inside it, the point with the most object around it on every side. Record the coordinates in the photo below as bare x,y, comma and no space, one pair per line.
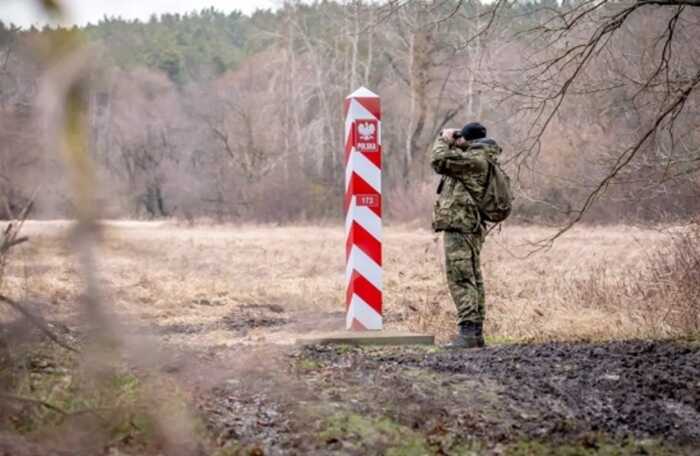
25,13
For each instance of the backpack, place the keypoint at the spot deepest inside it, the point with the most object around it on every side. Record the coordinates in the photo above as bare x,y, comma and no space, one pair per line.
496,203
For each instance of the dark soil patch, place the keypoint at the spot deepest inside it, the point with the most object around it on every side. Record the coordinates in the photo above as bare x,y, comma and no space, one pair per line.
246,318
451,400
182,328
640,389
209,302
274,308
241,320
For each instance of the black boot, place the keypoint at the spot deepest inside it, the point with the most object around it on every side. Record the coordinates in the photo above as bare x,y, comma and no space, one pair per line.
471,335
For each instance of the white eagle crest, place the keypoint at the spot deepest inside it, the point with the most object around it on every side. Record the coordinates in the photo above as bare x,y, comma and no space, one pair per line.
366,130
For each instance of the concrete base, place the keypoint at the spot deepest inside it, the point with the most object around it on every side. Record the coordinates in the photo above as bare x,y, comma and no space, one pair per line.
367,338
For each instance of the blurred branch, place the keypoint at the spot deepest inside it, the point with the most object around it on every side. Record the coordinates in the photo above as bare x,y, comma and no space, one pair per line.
36,321
55,408
10,236
27,400
10,239
67,87
8,243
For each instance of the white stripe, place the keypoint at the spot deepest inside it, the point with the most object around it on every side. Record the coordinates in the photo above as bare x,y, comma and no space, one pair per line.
365,266
355,111
363,167
363,92
370,221
366,218
364,313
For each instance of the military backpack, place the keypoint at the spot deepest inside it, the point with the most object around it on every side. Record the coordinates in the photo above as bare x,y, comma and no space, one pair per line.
496,203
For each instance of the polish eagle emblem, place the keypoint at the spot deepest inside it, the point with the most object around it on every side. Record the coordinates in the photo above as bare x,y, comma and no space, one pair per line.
366,130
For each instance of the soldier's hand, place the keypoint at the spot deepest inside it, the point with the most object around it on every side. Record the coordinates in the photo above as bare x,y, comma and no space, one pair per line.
448,135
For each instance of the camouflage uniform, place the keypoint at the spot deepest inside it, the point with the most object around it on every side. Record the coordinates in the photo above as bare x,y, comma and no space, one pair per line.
456,213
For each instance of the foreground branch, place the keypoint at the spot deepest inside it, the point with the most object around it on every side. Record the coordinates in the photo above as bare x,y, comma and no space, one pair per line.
36,321
8,243
27,400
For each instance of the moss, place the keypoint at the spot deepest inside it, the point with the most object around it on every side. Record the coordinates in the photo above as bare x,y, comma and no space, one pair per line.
359,432
114,406
596,446
343,349
692,341
382,435
308,364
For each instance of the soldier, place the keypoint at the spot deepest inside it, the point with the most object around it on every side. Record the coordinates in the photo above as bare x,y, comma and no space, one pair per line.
461,158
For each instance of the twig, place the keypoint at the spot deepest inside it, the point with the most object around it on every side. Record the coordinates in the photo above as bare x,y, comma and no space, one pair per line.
57,409
36,321
7,244
12,397
626,157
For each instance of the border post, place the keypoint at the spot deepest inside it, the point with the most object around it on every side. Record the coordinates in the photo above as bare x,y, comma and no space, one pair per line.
363,211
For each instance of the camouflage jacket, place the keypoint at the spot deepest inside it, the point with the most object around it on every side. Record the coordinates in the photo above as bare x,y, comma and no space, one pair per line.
464,178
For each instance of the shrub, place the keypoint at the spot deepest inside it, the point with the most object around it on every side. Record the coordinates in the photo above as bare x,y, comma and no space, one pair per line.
672,281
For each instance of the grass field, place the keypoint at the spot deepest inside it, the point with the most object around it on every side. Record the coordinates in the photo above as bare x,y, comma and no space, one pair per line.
205,318
193,285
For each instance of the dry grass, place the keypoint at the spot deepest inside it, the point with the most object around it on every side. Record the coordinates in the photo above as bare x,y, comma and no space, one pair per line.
189,284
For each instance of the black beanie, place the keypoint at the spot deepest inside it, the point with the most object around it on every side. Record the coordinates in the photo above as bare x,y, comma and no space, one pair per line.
473,130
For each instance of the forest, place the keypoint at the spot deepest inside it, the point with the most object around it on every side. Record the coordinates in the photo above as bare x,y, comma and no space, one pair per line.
239,118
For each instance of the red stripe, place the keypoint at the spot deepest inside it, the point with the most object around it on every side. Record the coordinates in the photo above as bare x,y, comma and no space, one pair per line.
349,144
349,291
359,186
378,208
374,157
361,238
348,245
372,105
348,198
365,290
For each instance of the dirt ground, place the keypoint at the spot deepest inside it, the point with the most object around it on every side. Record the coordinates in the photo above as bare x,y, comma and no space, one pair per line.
216,309
628,397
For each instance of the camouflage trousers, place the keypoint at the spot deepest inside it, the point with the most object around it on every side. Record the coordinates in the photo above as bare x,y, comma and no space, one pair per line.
462,252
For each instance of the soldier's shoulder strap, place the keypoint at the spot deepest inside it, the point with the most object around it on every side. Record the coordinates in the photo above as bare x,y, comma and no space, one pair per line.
441,184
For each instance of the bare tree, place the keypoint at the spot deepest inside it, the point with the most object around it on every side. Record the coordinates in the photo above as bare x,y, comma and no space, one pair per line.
632,61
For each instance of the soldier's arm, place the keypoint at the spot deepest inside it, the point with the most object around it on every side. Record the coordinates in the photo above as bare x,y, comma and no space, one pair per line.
452,161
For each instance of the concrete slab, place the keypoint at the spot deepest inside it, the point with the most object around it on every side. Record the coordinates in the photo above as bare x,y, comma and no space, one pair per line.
367,338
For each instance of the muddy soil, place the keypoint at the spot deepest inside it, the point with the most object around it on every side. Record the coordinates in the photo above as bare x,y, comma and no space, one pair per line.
276,399
317,399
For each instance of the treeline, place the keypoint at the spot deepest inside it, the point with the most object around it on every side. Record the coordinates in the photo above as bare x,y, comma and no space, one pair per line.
239,117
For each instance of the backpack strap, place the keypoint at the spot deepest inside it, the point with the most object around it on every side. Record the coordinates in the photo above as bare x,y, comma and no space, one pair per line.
441,185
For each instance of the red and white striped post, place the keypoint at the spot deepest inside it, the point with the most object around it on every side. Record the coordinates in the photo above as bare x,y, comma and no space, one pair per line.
363,210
